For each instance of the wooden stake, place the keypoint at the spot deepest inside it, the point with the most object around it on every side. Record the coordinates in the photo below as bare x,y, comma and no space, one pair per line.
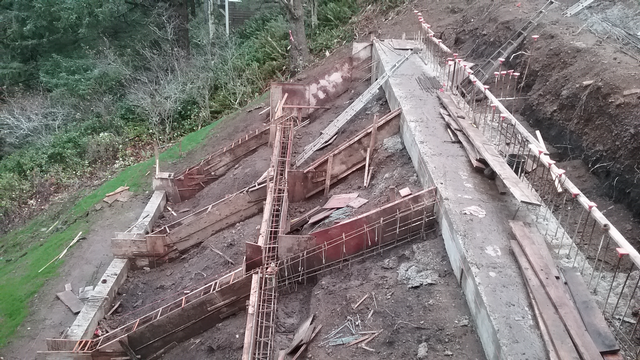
157,154
360,302
374,130
114,307
63,251
327,181
223,255
366,168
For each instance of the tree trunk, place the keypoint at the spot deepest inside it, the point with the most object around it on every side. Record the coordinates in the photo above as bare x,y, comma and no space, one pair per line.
314,13
192,7
299,52
181,12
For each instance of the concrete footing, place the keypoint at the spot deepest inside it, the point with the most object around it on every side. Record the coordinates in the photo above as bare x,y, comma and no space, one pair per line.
100,301
478,248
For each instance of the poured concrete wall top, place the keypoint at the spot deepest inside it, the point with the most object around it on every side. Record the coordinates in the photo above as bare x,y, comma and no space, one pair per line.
478,248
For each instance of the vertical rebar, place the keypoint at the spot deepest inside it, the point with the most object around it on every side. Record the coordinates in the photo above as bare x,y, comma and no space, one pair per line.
621,253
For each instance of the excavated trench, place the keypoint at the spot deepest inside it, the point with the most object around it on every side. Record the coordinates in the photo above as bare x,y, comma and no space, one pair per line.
582,87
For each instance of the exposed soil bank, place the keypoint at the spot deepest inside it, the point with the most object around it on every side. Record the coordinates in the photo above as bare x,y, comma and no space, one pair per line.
597,122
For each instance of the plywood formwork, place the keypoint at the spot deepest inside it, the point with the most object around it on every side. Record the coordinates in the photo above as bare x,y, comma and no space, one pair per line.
406,219
347,158
194,228
192,180
176,321
403,220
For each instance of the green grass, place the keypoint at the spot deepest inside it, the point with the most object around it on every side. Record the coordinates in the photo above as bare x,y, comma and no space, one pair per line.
30,248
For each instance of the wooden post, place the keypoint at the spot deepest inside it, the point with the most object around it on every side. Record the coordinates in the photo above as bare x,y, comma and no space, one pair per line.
157,154
372,144
366,168
327,181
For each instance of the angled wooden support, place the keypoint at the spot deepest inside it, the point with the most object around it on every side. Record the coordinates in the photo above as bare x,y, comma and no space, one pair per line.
488,152
192,180
345,159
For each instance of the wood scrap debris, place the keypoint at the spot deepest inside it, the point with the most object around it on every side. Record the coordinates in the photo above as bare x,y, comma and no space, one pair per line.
303,336
221,254
405,192
302,220
71,301
121,194
324,214
360,302
339,201
63,251
357,202
114,307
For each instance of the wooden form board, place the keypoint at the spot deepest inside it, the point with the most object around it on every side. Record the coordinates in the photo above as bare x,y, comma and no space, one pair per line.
71,300
487,151
346,158
302,220
555,291
289,245
560,339
591,315
357,239
476,161
253,256
193,319
297,94
205,222
196,178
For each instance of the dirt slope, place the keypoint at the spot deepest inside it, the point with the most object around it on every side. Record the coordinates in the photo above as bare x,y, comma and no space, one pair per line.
596,123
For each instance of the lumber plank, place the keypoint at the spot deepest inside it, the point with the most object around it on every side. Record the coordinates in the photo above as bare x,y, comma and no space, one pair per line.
541,244
554,289
71,300
127,349
474,158
491,155
590,313
559,336
300,334
613,356
302,220
333,128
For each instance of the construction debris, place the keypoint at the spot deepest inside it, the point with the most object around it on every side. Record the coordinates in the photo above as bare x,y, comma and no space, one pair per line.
340,201
358,202
474,210
71,300
63,251
302,220
223,255
405,192
360,302
121,194
305,333
320,216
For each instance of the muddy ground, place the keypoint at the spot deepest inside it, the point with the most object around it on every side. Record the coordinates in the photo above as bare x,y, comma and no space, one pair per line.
445,333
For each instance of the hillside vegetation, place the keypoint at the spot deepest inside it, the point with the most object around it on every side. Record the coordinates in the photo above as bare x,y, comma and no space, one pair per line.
88,87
